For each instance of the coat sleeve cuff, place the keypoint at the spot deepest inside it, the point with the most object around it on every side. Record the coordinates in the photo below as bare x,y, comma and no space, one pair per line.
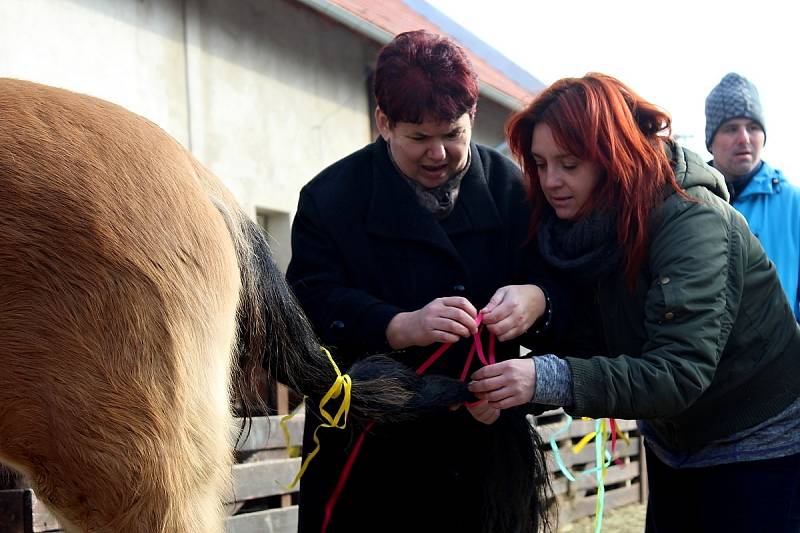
374,321
553,381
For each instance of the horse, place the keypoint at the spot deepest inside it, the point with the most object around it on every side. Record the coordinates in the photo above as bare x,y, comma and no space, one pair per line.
136,301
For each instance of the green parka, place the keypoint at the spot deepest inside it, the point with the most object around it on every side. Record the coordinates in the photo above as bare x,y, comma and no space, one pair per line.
706,345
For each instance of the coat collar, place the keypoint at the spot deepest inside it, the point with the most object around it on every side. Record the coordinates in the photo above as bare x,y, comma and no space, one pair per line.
394,210
766,181
691,171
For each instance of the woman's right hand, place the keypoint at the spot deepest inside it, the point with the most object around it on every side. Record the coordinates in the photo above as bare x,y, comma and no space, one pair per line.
443,320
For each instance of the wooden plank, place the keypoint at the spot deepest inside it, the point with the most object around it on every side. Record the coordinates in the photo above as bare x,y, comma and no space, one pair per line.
587,455
283,520
15,511
282,396
577,429
251,480
43,519
551,412
614,474
585,506
552,466
262,479
559,486
266,433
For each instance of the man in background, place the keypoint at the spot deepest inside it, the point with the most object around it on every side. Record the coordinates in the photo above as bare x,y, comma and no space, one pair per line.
735,137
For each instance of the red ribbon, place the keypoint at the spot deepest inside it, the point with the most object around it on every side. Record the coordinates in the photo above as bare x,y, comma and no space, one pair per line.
477,346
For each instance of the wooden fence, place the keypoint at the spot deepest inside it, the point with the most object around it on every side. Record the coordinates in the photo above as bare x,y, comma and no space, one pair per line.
625,479
260,503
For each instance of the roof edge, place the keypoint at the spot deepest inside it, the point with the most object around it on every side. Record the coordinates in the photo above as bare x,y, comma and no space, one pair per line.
349,20
382,36
478,46
506,100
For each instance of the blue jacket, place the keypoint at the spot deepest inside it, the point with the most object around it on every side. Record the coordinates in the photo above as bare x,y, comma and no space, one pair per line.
771,206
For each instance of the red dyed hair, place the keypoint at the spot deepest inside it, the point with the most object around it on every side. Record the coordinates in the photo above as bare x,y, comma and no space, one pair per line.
598,118
422,75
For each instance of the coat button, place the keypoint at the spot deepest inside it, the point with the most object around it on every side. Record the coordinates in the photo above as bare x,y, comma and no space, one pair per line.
337,324
665,280
459,288
669,315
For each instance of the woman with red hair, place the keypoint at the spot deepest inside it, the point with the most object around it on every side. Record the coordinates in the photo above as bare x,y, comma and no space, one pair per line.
682,325
403,245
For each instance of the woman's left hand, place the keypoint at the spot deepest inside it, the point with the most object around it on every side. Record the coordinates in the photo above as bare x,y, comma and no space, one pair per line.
505,384
513,309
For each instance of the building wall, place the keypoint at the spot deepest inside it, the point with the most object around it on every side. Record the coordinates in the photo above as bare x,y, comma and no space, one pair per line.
490,119
128,52
276,94
266,93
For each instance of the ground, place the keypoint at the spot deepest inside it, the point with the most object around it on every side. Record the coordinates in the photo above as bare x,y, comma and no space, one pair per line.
627,519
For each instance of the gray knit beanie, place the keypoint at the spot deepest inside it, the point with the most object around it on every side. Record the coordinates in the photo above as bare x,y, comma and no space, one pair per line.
733,97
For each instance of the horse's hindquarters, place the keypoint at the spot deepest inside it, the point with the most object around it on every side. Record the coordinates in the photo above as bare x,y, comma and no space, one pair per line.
119,286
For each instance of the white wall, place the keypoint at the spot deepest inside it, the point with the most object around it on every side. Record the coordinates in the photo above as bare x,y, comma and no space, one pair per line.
266,93
129,52
276,95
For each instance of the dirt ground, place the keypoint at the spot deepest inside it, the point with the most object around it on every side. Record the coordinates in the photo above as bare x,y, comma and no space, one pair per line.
627,519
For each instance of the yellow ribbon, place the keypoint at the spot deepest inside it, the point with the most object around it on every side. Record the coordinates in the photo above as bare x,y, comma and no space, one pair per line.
583,442
623,435
292,450
341,386
589,436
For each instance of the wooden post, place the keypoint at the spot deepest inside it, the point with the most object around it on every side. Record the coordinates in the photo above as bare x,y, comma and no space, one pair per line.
16,513
642,472
282,397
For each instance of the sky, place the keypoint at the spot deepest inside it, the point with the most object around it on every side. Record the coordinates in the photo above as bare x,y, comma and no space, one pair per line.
671,53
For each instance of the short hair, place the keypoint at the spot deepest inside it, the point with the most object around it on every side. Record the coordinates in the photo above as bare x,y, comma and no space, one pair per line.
422,75
598,118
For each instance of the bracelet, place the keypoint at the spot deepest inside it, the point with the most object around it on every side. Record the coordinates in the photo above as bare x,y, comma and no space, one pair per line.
547,317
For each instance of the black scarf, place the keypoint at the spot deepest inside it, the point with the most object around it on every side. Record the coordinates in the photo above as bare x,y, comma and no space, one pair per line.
586,249
737,185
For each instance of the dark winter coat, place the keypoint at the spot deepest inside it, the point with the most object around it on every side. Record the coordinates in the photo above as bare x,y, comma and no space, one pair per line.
364,250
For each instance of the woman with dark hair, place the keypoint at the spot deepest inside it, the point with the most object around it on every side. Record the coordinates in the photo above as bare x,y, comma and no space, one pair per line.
683,323
402,245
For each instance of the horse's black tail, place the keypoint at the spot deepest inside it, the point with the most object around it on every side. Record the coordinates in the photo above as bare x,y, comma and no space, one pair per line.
275,335
517,493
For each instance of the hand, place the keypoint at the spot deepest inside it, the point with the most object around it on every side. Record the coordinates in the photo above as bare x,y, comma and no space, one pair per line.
483,412
443,320
513,309
505,384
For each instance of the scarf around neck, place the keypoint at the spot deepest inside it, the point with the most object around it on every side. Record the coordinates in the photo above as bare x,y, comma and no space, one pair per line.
586,249
737,185
438,200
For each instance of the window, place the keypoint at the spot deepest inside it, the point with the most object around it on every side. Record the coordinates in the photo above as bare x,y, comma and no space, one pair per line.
277,226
